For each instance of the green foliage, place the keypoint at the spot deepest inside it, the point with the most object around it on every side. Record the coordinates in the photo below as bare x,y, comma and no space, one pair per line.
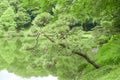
109,52
7,19
12,57
116,20
14,4
114,74
106,7
67,19
30,4
59,20
61,25
104,32
65,69
3,6
46,5
22,19
3,62
104,73
42,19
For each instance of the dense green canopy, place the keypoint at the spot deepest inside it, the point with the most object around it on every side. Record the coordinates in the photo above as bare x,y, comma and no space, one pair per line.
70,39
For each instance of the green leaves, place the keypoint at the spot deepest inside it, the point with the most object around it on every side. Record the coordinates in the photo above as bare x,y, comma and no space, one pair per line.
67,67
59,23
7,19
7,52
22,19
42,19
109,53
3,6
67,19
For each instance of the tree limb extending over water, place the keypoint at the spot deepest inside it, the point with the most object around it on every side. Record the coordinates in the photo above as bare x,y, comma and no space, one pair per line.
76,52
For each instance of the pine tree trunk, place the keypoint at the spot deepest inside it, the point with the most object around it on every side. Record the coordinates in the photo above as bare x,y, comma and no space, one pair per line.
87,59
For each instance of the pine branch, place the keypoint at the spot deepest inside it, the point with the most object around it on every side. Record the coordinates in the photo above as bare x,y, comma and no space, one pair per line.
75,52
87,59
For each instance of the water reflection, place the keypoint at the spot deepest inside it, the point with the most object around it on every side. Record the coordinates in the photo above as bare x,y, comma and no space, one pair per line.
5,75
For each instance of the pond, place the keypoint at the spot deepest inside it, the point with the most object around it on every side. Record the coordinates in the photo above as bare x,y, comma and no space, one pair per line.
5,75
16,63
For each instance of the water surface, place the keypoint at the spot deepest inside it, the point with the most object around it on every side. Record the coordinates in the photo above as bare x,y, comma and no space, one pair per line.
5,75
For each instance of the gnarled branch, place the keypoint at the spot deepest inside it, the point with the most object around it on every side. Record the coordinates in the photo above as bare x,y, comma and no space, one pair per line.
75,52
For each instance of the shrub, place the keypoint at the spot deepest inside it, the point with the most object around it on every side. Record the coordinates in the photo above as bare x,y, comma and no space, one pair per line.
42,19
22,19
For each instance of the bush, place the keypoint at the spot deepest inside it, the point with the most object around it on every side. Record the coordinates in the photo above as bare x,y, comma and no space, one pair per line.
22,19
42,19
7,19
68,19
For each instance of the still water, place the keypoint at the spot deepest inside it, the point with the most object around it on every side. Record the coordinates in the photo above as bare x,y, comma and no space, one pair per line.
5,75
16,62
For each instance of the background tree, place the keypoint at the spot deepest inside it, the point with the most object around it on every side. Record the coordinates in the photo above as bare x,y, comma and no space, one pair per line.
3,6
23,19
42,19
7,19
